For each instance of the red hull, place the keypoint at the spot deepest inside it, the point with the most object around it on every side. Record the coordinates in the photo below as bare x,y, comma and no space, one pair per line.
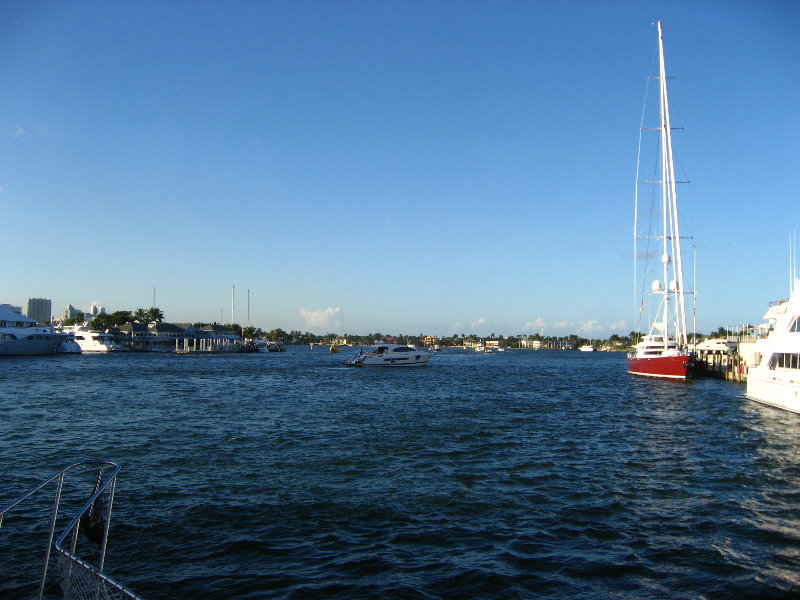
673,367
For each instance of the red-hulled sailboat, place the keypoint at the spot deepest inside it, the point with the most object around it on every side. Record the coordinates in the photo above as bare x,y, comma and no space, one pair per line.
664,351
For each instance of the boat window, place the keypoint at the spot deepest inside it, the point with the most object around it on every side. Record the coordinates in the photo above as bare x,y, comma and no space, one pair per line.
403,349
785,360
795,326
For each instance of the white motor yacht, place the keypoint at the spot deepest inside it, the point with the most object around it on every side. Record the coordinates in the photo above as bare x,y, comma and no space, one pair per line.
391,355
95,341
776,378
21,335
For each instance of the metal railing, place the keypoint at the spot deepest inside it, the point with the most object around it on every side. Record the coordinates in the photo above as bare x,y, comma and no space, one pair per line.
79,579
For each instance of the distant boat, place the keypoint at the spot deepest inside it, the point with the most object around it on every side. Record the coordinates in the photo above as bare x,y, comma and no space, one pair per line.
391,355
267,346
21,335
663,353
776,378
586,348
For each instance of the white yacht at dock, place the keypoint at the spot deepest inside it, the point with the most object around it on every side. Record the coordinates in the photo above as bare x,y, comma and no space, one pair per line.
91,340
776,378
21,335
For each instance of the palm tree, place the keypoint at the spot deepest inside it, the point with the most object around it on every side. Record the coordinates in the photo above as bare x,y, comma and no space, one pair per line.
155,314
140,314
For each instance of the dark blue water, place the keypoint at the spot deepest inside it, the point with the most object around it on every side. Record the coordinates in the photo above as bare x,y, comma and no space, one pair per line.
514,475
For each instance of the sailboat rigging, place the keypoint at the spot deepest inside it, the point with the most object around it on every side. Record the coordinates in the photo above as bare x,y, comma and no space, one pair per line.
664,351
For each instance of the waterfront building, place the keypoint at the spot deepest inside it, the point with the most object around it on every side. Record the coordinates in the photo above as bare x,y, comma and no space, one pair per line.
533,344
217,331
39,309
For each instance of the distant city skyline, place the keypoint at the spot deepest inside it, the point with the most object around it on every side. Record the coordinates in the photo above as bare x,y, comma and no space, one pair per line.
404,167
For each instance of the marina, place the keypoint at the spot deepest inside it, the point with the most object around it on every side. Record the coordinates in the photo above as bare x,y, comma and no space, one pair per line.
398,168
543,474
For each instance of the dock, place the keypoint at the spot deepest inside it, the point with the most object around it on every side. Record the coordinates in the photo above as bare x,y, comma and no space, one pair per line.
724,359
213,346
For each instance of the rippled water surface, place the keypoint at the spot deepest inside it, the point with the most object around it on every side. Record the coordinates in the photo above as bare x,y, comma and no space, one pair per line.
514,475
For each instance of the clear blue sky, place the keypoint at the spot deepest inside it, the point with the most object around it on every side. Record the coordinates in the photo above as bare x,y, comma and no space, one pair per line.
414,166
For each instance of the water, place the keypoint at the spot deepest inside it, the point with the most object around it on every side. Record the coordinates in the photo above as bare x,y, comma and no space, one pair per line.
514,475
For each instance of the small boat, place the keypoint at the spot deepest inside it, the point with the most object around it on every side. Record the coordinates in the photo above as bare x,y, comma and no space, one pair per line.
336,349
586,348
663,353
391,355
21,335
776,378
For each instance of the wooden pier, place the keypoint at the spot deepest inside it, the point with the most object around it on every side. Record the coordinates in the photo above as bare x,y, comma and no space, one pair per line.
729,365
213,346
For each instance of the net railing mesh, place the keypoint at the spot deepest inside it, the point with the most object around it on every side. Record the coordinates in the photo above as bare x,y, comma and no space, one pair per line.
79,581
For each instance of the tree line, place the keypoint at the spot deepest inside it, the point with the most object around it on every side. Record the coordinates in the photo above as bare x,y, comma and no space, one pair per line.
105,321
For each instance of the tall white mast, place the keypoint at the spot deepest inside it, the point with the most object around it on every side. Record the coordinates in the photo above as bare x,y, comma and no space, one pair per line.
671,227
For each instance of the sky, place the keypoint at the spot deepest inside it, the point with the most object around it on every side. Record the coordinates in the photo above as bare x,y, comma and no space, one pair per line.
436,167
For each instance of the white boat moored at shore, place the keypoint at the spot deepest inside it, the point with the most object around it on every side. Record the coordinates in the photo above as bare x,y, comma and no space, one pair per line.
21,335
776,378
94,341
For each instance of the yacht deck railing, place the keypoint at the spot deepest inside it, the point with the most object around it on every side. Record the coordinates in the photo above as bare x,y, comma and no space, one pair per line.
79,579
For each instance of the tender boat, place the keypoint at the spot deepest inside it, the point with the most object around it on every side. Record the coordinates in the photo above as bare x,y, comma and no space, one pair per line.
663,353
391,355
776,378
21,335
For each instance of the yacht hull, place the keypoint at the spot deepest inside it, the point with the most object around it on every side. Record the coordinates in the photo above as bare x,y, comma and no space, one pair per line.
780,394
40,344
387,361
669,367
388,355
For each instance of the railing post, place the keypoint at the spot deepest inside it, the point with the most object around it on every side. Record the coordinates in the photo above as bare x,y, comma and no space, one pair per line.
50,538
107,523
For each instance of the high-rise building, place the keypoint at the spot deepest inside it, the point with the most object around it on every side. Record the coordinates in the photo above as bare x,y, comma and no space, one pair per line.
71,312
39,309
